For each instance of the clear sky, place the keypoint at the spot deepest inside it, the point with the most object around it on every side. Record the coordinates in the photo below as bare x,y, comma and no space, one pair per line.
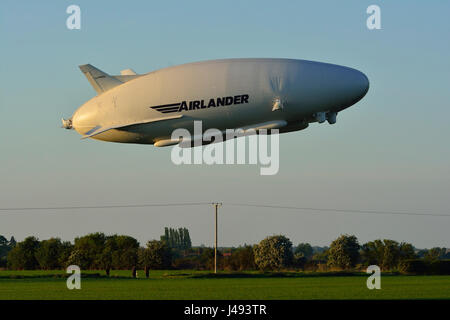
388,152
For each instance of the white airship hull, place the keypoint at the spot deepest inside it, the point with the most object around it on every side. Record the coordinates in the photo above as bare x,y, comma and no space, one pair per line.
223,94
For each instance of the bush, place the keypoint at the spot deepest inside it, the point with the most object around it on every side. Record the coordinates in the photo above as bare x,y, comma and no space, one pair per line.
416,266
413,266
441,267
240,259
185,263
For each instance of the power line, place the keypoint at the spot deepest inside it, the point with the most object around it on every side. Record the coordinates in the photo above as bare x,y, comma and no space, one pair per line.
318,210
107,206
339,210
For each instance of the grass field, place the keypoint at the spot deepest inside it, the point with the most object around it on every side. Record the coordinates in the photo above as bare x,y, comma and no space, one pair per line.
203,285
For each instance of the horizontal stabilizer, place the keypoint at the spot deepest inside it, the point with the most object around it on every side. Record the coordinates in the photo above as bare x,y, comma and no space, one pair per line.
128,72
99,129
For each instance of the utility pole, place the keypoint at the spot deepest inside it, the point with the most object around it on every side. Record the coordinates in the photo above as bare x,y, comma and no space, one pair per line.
216,205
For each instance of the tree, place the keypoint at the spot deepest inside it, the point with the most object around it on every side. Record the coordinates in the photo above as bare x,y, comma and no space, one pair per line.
299,260
22,256
435,254
320,257
304,249
48,254
177,239
106,257
66,250
119,252
12,242
89,249
155,256
407,251
144,260
387,254
3,241
4,249
372,252
391,255
273,253
343,252
187,243
79,258
125,254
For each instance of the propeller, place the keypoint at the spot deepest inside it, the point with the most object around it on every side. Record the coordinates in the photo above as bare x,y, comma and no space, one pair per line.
67,124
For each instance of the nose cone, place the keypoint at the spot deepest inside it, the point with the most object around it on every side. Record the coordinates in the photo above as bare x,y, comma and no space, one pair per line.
353,86
84,119
359,85
328,87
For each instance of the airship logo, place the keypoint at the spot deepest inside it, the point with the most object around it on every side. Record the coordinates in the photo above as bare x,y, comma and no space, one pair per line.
202,104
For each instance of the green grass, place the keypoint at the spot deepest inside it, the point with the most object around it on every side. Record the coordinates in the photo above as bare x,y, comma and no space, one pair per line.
183,284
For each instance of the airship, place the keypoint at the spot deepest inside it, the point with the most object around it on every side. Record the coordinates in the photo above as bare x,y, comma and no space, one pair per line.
252,94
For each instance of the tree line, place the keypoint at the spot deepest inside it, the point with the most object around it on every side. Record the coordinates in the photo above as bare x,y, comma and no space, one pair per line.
178,239
345,253
97,251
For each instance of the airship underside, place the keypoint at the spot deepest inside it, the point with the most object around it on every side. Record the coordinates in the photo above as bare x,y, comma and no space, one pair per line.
285,94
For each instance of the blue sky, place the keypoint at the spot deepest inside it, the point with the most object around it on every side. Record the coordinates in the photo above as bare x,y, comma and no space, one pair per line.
388,152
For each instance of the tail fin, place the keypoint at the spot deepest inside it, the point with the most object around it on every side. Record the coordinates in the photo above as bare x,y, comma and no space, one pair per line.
102,81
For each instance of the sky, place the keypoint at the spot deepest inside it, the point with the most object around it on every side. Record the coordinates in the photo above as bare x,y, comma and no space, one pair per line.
388,152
